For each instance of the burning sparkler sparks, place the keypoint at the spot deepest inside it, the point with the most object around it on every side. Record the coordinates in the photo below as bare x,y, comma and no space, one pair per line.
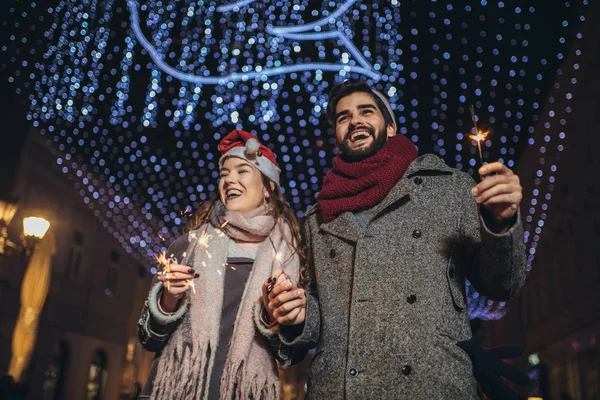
479,135
203,239
166,262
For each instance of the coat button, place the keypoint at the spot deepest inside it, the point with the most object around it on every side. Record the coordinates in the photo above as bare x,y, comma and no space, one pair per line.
332,253
406,370
416,234
418,180
411,299
451,273
352,372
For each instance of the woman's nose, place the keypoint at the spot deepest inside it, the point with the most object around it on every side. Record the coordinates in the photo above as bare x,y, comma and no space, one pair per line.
229,179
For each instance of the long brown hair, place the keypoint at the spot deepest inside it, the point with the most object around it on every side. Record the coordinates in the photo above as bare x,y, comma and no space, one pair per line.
281,211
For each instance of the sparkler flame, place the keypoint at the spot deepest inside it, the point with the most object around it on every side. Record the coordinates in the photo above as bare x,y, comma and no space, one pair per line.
203,239
480,136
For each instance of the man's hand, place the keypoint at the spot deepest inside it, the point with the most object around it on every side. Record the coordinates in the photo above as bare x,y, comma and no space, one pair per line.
283,301
489,367
499,192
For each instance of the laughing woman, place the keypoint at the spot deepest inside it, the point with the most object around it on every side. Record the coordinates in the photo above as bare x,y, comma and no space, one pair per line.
201,312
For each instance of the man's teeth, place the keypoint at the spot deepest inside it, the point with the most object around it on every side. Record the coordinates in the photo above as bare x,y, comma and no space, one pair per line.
358,135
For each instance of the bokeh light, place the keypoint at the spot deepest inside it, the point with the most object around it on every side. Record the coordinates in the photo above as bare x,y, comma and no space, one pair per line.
133,97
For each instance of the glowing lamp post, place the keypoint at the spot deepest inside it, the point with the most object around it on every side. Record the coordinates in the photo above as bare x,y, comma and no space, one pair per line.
36,281
34,230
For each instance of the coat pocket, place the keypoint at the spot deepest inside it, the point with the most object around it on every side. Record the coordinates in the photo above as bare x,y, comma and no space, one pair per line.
458,293
456,283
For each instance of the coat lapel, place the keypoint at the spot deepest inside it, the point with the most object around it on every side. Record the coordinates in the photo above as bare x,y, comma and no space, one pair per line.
344,227
427,164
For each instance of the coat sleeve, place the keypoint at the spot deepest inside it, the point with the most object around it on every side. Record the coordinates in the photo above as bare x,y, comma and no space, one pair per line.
291,343
306,335
155,327
494,263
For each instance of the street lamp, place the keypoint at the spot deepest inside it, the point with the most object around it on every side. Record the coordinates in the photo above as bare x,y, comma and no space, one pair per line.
35,284
34,228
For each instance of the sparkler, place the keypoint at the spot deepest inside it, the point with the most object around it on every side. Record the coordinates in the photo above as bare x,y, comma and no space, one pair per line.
203,239
166,262
479,135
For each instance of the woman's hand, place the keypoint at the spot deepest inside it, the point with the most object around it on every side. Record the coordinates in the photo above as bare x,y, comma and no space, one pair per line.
177,281
283,301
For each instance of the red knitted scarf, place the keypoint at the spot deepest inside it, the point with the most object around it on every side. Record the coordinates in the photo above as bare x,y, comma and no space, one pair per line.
358,186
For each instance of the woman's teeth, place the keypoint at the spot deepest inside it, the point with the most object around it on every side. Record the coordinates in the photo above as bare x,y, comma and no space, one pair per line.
233,193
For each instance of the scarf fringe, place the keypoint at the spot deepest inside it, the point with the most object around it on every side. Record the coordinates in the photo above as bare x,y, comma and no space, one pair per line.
184,368
177,377
247,387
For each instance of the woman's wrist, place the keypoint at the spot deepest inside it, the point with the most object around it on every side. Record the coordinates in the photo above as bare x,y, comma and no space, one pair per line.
167,304
265,319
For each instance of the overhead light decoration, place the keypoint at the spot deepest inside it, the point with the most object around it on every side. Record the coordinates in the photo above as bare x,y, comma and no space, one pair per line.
133,97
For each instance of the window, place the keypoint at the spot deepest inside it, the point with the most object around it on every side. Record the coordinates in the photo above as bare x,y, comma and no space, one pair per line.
54,373
115,257
96,376
111,281
74,263
142,271
112,274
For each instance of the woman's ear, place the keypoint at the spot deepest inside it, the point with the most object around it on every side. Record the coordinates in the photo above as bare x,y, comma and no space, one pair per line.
272,185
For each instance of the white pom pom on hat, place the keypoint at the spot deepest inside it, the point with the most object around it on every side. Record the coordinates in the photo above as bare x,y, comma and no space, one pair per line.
252,146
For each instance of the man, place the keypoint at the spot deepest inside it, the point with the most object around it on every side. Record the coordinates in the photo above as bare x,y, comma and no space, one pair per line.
389,245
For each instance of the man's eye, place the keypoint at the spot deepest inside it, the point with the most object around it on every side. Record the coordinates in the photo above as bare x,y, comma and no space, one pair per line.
223,175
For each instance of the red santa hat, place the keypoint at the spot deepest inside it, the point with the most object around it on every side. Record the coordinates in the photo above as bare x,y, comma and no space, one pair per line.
246,146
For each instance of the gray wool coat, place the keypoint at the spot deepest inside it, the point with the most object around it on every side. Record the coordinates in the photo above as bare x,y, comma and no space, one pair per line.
386,302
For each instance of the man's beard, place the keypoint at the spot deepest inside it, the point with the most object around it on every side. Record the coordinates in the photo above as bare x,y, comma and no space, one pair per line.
353,155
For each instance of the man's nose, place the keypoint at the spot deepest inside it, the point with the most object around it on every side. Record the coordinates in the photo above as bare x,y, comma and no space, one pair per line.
355,120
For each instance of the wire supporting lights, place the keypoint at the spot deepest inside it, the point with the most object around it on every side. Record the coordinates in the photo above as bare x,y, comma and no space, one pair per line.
133,97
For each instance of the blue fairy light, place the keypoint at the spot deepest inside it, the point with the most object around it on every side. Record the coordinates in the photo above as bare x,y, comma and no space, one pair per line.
133,97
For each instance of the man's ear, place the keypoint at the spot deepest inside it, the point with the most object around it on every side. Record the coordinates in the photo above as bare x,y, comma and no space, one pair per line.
391,130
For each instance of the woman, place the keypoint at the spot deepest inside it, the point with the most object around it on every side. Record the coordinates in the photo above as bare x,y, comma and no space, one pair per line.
203,307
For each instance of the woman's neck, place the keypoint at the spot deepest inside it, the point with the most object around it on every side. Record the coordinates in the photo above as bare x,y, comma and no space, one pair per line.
248,245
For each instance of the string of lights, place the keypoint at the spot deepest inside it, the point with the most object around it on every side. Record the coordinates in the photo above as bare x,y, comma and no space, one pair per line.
134,97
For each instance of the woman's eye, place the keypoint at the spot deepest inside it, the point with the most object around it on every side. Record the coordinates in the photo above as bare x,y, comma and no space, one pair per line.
241,171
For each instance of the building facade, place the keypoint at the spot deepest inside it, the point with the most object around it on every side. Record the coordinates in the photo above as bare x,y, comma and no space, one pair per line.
86,345
557,317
